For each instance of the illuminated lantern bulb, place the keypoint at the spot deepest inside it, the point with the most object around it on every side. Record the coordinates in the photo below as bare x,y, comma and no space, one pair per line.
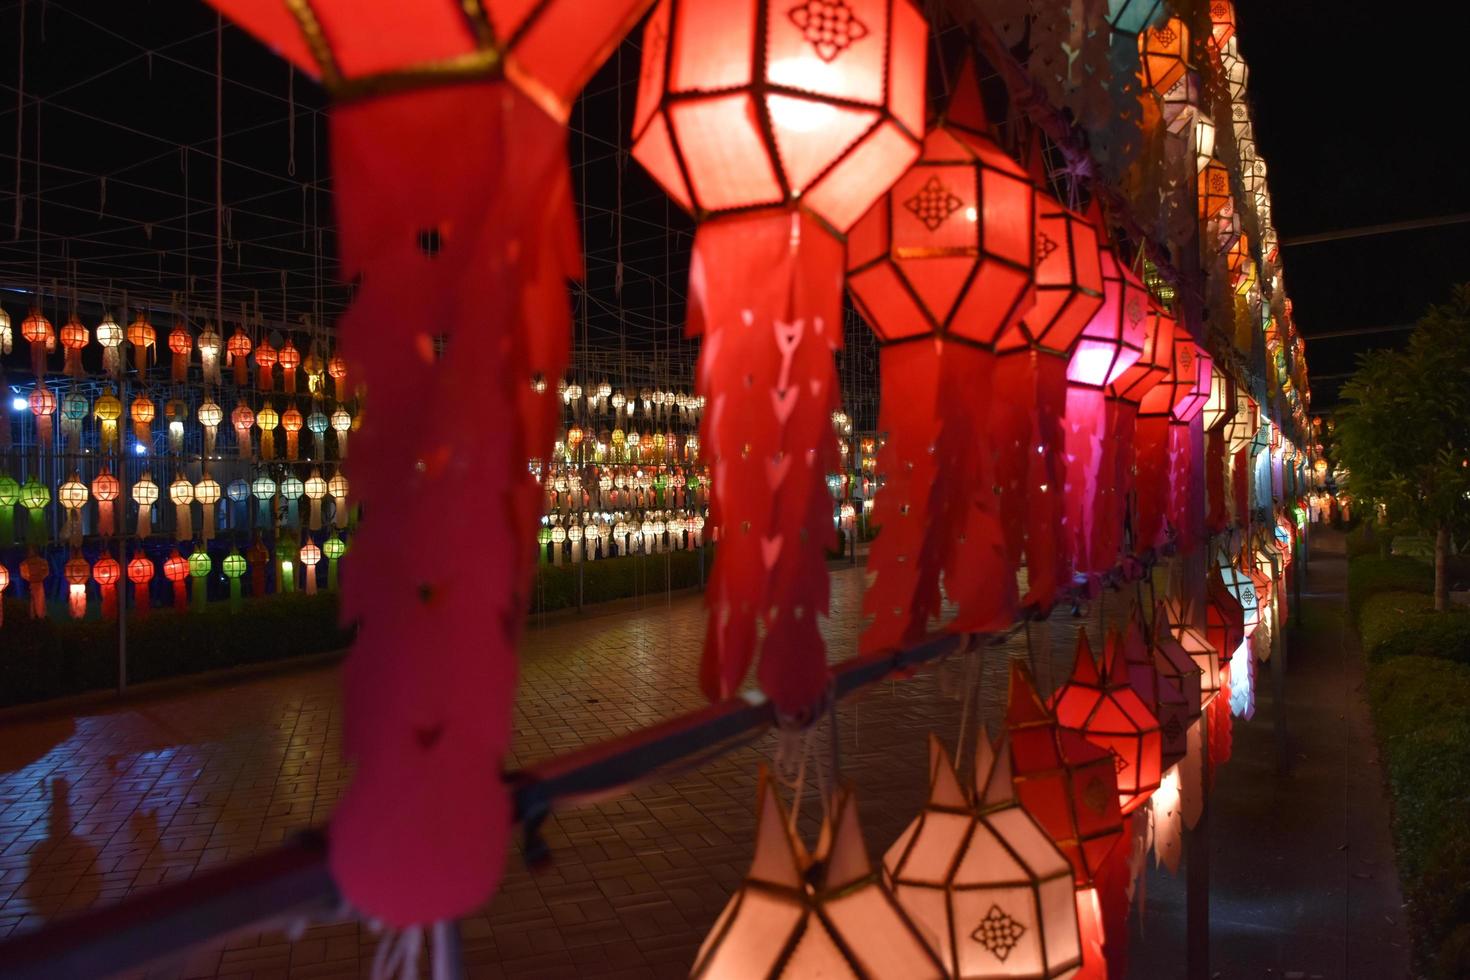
9,497
316,492
110,338
210,345
267,419
290,359
574,535
264,489
176,570
39,333
181,493
200,565
140,573
141,336
618,400
314,368
698,527
311,556
804,914
234,567
265,360
174,412
74,338
74,411
34,569
7,344
334,548
238,350
1213,189
988,889
72,496
293,489
1133,16
1162,51
341,424
317,424
337,371
106,488
292,422
43,407
593,534
243,420
106,573
107,411
210,416
145,495
4,572
181,345
337,486
143,411
558,535
208,492
34,496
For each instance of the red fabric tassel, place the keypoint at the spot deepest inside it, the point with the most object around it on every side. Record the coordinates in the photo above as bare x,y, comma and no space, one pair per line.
1217,517
1085,420
766,296
1240,484
1184,466
1151,458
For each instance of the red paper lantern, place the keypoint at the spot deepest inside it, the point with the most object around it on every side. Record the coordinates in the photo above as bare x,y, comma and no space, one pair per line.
106,573
1214,190
777,125
1155,673
181,345
105,489
1225,619
289,358
74,337
4,584
140,573
941,267
1068,784
176,570
1162,53
142,336
243,420
1101,706
292,421
265,360
421,832
43,407
337,370
39,333
34,569
237,349
77,572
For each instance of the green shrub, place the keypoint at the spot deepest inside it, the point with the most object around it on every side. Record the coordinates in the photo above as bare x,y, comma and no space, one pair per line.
1369,538
1421,711
53,657
1368,576
1404,624
555,586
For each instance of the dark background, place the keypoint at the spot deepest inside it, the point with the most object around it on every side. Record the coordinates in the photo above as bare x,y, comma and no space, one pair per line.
1356,112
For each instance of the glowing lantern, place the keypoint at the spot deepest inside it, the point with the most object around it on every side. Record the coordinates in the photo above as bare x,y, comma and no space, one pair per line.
181,492
34,569
267,419
1222,23
142,336
941,267
39,333
140,573
1161,453
176,570
143,412
799,914
238,349
175,411
106,573
72,496
1104,709
264,489
287,554
74,338
7,344
9,497
34,496
76,571
74,411
210,416
1162,52
145,495
289,358
337,486
292,422
208,492
1224,617
1140,662
334,548
258,558
181,345
316,492
1214,190
4,572
234,568
983,879
337,371
317,424
774,141
106,488
1242,586
243,419
43,407
239,493
311,556
341,424
110,338
107,411
210,344
293,489
265,359
313,367
1133,16
1066,783
1236,73
1196,645
200,565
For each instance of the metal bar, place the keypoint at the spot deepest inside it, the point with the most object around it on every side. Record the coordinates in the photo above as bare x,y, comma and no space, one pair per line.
1390,228
288,880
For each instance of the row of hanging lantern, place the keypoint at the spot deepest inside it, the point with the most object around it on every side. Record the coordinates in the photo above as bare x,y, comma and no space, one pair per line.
262,432
311,503
145,342
603,399
296,563
591,535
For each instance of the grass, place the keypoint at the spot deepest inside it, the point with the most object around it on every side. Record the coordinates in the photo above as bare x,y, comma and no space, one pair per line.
1404,624
1370,575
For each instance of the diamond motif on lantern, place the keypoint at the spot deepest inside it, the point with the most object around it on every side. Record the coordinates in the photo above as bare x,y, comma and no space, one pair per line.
829,25
933,203
998,933
1044,247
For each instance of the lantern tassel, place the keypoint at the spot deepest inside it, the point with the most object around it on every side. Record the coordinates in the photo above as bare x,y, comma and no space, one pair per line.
1151,460
184,529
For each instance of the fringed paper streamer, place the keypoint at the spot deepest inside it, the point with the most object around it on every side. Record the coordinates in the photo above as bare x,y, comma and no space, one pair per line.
77,572
176,570
141,336
145,495
106,573
106,488
140,573
317,424
210,416
41,336
207,492
74,337
200,565
243,420
265,361
292,422
237,350
180,345
43,407
34,569
181,494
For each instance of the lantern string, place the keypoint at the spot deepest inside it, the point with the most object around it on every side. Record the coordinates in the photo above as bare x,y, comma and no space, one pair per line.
20,108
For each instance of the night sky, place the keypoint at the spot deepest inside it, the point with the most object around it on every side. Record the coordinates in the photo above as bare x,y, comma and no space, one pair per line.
1355,114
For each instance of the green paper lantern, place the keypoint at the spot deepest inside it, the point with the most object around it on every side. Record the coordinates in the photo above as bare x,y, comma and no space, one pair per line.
34,496
334,548
9,497
234,567
200,566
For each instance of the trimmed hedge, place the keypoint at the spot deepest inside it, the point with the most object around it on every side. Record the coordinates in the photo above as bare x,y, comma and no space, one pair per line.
54,657
1404,624
606,579
1369,538
1421,710
1368,576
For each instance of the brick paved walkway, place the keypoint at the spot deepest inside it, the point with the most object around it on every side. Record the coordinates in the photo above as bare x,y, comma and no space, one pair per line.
119,800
